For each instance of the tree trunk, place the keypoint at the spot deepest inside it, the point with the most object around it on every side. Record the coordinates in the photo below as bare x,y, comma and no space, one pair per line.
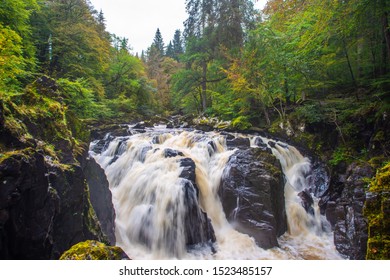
350,69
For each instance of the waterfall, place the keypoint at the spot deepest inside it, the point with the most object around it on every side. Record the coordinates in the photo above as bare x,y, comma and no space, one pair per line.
165,186
309,235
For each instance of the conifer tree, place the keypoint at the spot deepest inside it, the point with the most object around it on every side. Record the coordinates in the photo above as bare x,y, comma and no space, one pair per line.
158,42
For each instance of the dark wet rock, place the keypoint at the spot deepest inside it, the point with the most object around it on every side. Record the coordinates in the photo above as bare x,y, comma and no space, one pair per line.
239,142
140,125
143,153
227,135
263,146
252,195
101,198
188,171
307,201
211,147
198,228
272,144
168,153
204,127
318,179
45,208
113,130
343,206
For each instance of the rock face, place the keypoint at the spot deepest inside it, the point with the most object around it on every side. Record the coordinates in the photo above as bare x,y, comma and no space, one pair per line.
343,206
101,198
198,228
252,195
44,208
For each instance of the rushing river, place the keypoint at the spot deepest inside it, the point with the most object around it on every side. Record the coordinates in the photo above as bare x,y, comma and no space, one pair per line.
150,201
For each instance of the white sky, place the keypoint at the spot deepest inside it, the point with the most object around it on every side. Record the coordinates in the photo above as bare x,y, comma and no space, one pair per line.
138,20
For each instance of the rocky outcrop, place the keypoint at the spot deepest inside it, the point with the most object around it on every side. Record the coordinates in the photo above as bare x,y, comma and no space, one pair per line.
45,205
198,228
101,197
343,206
45,208
252,195
93,250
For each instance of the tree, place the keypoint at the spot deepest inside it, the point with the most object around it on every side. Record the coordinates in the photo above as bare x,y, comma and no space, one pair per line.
17,50
177,45
158,42
170,52
80,48
213,28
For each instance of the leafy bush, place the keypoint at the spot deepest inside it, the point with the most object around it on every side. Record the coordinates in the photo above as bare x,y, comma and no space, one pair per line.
241,123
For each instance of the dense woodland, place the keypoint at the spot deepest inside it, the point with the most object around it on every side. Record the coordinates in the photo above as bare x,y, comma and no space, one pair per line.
308,70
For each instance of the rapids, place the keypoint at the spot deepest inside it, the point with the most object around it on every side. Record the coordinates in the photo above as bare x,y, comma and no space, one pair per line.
144,173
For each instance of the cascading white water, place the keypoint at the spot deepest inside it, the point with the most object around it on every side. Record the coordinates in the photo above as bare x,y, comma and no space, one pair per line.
149,200
308,236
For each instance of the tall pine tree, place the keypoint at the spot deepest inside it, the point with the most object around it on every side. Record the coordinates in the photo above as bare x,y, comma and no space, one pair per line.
158,42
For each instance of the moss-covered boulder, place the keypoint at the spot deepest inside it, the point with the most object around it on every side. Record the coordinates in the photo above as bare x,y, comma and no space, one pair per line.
377,211
93,250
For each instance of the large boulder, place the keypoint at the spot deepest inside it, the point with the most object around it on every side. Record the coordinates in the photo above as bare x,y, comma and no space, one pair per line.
252,195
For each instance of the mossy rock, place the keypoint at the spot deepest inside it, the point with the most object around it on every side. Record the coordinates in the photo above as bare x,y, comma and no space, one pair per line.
93,250
377,211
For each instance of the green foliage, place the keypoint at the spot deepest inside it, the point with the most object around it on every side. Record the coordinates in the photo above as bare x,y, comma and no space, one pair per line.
339,155
15,15
310,113
80,99
241,123
11,57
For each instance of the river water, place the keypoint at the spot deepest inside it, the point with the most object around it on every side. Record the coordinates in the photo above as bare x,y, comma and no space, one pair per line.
145,182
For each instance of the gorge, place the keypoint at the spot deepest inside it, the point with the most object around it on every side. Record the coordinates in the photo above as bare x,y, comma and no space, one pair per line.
184,193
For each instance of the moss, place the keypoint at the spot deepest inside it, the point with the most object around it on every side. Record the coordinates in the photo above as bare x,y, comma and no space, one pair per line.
24,154
381,182
377,211
93,250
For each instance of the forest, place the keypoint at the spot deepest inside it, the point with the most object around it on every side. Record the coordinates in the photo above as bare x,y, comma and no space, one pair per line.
314,72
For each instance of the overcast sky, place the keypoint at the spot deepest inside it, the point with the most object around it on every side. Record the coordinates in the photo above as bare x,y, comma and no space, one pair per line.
138,20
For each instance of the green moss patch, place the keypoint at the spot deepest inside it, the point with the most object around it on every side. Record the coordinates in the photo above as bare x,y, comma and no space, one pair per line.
93,250
377,211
